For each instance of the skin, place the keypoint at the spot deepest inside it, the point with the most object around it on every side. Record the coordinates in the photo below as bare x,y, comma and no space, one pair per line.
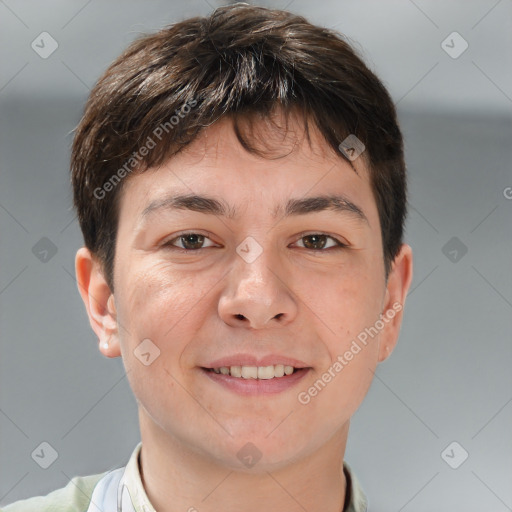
189,306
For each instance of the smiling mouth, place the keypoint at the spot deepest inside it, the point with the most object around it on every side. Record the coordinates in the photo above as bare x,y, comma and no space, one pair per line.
256,372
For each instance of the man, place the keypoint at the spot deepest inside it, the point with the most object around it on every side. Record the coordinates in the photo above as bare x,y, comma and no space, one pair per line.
240,184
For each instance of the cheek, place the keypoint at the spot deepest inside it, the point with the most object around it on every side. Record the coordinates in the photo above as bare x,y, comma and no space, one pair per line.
160,297
161,305
345,302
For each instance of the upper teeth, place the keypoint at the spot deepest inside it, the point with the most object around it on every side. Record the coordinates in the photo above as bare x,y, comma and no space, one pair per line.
255,372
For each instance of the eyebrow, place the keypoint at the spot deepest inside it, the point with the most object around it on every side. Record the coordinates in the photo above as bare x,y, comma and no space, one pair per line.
294,207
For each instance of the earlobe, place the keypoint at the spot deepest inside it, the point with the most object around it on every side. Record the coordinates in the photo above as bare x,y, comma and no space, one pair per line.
109,347
398,284
98,300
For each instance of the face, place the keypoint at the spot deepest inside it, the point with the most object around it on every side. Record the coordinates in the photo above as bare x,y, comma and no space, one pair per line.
257,283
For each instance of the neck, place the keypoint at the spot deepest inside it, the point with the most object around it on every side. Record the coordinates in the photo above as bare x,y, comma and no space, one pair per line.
178,478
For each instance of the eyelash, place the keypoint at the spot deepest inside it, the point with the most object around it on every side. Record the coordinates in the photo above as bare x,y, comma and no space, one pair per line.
169,245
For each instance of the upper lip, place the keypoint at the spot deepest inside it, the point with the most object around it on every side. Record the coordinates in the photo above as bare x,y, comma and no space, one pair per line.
251,360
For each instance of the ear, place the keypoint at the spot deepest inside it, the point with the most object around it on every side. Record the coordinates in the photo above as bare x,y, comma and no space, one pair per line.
99,301
399,280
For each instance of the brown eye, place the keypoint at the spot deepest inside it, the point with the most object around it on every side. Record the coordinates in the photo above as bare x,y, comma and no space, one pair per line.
187,241
318,241
192,241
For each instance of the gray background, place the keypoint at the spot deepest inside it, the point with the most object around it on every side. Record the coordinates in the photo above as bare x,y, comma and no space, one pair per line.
449,378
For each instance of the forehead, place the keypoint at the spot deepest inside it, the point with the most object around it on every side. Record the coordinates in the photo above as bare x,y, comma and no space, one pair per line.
280,137
215,174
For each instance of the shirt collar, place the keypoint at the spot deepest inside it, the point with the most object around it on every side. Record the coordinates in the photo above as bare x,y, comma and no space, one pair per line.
357,501
133,482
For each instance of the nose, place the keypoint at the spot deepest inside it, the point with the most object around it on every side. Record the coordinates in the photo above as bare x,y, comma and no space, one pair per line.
258,294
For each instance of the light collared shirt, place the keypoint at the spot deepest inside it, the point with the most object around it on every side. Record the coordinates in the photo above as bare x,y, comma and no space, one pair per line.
121,490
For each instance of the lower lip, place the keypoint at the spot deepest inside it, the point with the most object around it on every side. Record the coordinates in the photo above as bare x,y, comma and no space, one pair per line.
257,386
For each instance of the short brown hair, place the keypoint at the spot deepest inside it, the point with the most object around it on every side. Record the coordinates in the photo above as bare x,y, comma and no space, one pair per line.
241,60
